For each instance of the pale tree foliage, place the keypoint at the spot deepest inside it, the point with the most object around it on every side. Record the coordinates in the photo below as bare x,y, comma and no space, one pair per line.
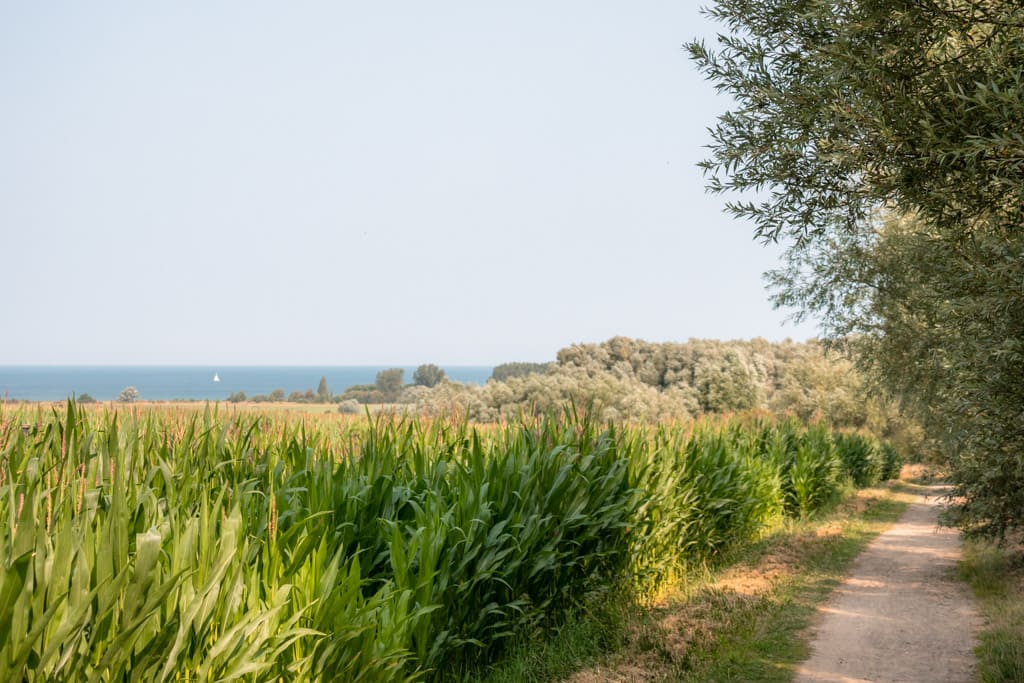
630,379
815,385
885,142
128,395
389,382
428,375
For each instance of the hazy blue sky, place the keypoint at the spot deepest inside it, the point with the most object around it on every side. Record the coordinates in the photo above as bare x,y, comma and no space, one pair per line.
371,182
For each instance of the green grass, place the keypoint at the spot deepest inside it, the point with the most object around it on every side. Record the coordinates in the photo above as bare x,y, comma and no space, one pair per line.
996,575
748,620
556,654
761,638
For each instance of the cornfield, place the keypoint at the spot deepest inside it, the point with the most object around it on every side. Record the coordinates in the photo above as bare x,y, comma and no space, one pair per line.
197,546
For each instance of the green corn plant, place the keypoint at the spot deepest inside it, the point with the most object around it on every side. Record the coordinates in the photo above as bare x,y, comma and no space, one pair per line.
863,460
814,472
172,545
892,462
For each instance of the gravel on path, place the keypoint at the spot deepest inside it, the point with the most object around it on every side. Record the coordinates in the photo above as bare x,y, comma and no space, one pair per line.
901,615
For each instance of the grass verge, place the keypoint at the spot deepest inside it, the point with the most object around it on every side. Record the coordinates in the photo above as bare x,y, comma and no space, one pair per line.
747,620
996,575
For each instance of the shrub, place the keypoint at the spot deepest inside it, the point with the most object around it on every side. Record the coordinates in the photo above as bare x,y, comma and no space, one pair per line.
363,393
349,407
128,395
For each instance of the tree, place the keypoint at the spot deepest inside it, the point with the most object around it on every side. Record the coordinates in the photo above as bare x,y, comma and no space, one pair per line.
277,395
846,106
884,139
237,397
502,372
85,398
428,375
128,395
389,382
323,394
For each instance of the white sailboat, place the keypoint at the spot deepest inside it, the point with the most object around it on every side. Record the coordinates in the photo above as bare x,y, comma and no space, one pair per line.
215,377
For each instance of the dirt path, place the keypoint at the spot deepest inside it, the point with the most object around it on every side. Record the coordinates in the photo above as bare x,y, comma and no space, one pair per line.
900,615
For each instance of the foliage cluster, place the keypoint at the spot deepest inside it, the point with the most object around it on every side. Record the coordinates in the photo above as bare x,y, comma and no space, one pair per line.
128,395
884,138
625,378
504,371
152,545
996,575
389,386
428,375
275,396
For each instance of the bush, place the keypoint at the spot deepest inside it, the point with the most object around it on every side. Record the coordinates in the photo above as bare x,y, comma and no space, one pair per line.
363,393
85,398
349,407
237,397
128,395
306,396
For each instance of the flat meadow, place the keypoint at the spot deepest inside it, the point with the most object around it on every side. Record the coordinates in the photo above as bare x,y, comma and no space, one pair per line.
184,543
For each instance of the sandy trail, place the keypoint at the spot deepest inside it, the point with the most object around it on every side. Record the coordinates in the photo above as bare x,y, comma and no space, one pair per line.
900,615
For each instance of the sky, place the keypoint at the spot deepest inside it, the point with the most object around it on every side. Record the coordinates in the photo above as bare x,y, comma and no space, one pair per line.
350,183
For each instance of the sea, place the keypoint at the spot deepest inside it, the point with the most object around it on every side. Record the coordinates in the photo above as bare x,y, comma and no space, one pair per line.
168,383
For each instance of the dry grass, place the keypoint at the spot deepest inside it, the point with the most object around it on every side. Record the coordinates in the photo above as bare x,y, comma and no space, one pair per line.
662,643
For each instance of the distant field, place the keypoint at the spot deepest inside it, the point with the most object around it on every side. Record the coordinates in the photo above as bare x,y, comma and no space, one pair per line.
222,406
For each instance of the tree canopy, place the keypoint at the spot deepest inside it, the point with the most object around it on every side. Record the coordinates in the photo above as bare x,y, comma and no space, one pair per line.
850,105
883,141
428,375
632,379
389,382
504,371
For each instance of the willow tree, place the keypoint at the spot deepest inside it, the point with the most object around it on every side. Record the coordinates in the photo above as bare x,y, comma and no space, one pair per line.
883,142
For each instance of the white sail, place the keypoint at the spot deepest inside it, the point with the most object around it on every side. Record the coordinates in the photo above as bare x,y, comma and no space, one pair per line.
215,377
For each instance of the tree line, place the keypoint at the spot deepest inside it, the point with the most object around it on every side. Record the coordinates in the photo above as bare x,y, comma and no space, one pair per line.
386,389
632,379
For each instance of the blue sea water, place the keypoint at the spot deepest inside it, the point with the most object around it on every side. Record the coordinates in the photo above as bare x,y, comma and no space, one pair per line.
164,383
